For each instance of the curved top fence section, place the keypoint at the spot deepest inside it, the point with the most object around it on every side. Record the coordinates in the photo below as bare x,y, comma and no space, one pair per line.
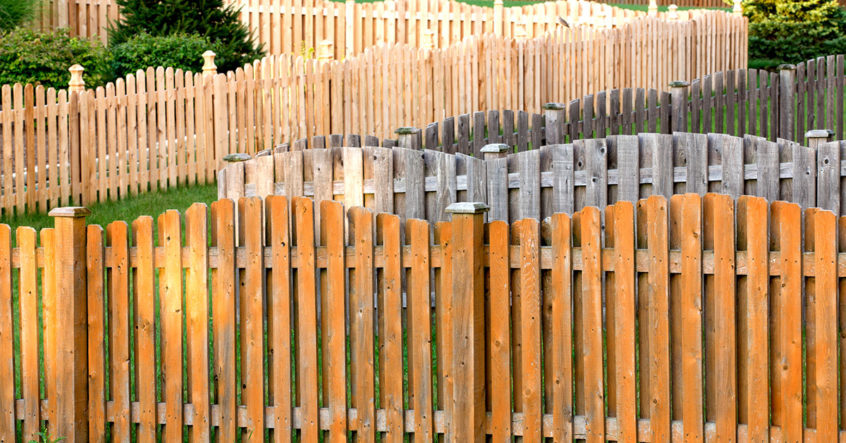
299,26
537,183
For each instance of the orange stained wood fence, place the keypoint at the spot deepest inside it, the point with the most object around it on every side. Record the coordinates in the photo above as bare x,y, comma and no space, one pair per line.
696,306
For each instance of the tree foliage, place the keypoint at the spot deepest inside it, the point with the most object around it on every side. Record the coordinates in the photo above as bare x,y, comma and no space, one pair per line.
210,19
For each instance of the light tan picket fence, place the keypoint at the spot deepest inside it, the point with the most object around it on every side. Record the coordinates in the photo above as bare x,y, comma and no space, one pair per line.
695,319
161,128
299,26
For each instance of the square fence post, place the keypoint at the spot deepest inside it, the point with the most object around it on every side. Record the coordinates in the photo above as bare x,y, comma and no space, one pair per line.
467,423
71,358
786,100
817,137
678,99
555,116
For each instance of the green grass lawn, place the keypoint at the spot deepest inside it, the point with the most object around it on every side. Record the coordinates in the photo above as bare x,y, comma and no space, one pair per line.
149,203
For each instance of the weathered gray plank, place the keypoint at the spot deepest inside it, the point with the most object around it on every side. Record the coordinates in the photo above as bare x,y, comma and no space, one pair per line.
766,161
695,149
264,176
529,168
449,135
479,130
628,166
497,173
563,179
828,179
383,178
596,167
661,148
415,204
463,134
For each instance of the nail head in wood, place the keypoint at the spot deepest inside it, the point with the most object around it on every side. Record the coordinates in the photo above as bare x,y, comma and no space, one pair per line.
471,208
70,211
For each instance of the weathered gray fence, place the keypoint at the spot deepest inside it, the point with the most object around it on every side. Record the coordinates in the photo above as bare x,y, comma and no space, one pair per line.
536,183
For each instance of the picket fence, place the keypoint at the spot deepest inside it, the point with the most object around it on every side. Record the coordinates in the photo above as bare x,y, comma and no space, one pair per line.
299,26
160,128
722,286
557,178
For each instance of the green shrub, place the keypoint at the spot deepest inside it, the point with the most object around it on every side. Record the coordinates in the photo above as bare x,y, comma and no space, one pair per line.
44,58
219,24
15,12
177,51
787,31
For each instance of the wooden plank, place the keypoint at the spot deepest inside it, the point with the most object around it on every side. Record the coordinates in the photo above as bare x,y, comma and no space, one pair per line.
628,166
719,219
529,311
530,186
497,174
686,225
96,333
596,166
563,179
28,293
447,188
7,349
279,317
333,324
828,176
306,318
145,340
389,293
753,307
620,312
361,323
786,356
499,337
415,206
731,150
196,319
822,406
383,178
591,303
118,278
652,212
419,331
170,293
767,161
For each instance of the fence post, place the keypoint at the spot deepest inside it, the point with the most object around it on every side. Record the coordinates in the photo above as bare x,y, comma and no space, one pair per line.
672,12
325,50
499,17
678,100
555,118
76,83
786,77
209,68
495,150
737,8
71,360
652,10
349,28
409,137
468,328
817,137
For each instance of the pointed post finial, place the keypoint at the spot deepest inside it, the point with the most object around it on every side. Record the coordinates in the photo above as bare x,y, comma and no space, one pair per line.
652,11
737,8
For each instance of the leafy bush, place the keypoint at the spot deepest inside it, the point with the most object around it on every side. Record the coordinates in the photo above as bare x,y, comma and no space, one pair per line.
788,31
217,23
176,51
44,58
15,12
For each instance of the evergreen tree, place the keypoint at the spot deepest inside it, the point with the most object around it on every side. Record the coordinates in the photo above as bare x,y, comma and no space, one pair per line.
219,24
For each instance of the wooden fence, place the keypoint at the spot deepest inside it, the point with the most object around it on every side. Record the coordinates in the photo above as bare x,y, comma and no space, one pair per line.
557,178
722,285
161,128
295,26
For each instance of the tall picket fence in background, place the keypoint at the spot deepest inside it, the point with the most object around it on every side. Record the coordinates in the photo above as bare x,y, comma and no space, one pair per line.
299,26
696,319
158,129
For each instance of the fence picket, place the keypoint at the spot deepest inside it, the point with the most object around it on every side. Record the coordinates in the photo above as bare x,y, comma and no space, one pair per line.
97,333
118,318
145,326
333,324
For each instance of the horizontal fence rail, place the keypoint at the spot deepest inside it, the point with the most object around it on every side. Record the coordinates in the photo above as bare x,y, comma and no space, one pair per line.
302,26
673,306
161,128
557,178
